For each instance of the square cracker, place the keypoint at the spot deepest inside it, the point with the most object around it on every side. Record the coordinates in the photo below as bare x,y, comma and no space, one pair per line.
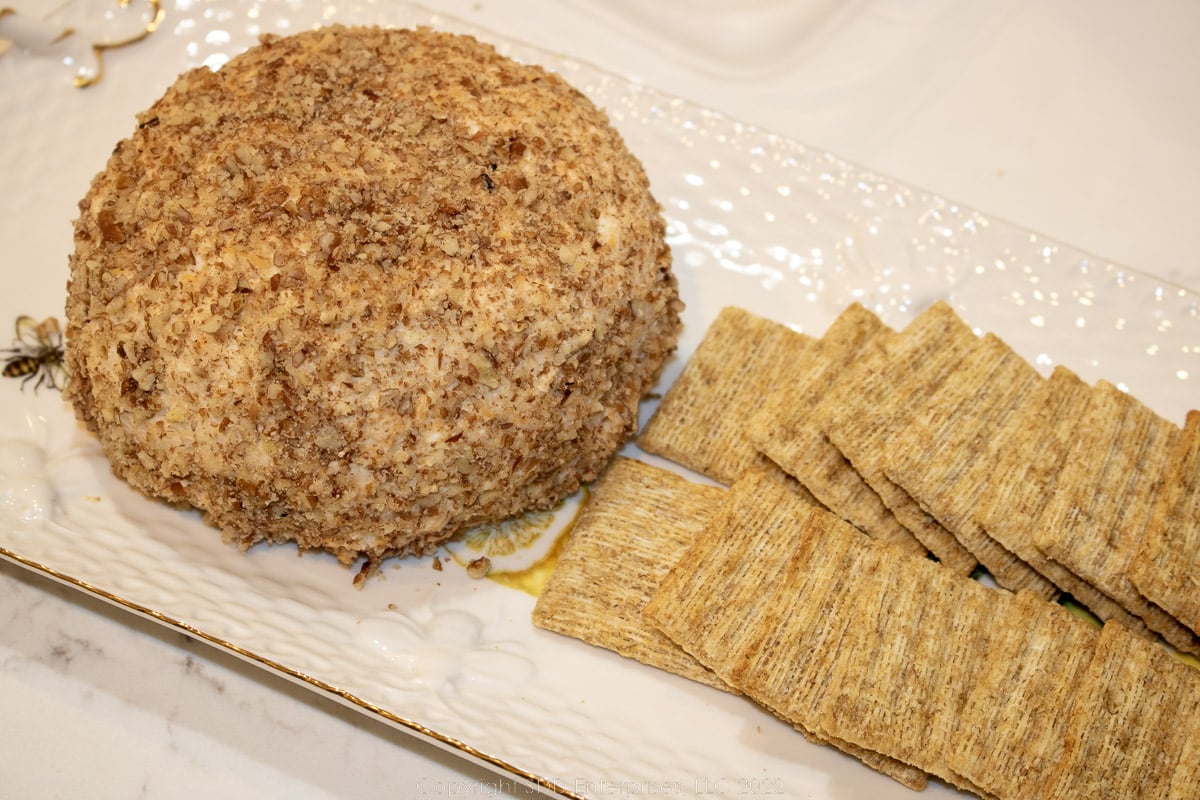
726,598
1166,568
1038,440
860,414
699,423
721,581
783,429
1134,725
780,657
1014,718
637,522
947,454
1111,481
915,637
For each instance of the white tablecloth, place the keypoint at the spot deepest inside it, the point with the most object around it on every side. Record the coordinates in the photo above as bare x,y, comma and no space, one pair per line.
1079,119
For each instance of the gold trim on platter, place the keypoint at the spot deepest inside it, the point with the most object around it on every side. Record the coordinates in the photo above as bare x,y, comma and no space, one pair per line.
97,49
462,748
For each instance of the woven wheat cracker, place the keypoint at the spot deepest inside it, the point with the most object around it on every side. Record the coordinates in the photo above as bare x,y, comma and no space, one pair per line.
860,413
915,636
1009,737
1166,569
638,521
1109,485
783,429
718,583
1133,725
947,454
699,423
726,600
1037,442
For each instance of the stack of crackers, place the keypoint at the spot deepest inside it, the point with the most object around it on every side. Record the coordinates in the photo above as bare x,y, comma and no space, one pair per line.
857,482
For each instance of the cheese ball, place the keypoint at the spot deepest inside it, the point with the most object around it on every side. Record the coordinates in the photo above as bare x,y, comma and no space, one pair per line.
362,288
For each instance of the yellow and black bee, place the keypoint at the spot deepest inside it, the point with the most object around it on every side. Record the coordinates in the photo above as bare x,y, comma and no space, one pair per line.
38,353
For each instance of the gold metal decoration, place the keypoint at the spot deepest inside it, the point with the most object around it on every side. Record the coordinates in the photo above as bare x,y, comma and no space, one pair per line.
36,35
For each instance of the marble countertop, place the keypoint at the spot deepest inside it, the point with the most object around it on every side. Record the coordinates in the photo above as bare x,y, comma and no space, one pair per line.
1079,119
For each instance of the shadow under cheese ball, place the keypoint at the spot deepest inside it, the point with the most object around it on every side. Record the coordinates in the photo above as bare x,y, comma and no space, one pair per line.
362,288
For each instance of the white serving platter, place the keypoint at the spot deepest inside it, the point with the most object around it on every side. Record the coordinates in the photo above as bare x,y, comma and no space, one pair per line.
755,220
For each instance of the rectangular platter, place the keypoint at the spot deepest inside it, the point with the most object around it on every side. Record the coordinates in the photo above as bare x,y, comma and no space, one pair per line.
755,220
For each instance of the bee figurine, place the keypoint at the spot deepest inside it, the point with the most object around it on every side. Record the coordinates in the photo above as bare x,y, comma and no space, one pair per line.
38,353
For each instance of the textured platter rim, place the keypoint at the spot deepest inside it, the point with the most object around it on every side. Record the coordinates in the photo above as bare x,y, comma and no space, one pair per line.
343,696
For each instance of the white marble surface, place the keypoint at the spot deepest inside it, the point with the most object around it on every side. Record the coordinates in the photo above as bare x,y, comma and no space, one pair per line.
1079,119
